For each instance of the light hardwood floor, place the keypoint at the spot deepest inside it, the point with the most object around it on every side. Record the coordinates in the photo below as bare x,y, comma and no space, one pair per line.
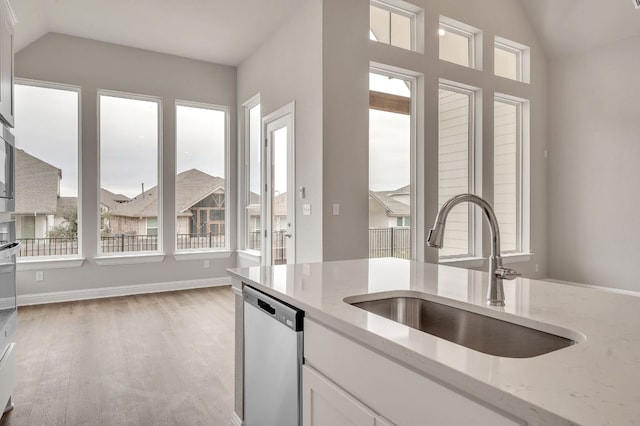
156,359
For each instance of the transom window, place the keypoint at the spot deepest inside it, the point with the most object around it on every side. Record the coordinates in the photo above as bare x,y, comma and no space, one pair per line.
396,23
459,43
511,60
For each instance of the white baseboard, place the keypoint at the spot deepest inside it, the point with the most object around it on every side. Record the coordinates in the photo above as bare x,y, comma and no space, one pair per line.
125,290
235,420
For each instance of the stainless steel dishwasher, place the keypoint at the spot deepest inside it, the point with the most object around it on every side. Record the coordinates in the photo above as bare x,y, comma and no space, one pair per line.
272,361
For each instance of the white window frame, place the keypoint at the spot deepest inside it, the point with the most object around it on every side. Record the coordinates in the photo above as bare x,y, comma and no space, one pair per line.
416,117
472,34
160,186
227,161
73,259
407,10
523,172
245,197
523,57
475,165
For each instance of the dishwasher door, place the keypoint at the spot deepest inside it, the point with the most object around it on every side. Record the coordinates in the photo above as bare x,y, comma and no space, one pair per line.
272,361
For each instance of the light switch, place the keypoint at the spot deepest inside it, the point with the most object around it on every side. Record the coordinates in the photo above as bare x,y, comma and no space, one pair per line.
336,209
306,209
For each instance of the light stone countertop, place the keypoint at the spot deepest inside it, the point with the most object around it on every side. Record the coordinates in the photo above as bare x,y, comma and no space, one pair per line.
595,382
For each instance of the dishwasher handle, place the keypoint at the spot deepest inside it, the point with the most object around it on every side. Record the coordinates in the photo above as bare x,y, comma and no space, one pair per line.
278,310
266,307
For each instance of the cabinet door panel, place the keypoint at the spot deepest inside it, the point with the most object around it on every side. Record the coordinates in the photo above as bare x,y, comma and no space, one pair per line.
326,404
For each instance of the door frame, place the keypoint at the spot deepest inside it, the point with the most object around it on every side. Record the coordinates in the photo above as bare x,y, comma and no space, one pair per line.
282,117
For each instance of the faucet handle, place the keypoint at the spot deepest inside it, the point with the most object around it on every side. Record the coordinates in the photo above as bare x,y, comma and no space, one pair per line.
507,273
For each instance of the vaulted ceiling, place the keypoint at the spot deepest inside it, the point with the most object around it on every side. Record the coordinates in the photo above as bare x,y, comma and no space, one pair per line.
220,31
227,31
569,27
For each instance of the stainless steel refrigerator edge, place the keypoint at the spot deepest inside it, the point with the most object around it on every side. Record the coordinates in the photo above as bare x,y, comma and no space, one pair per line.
273,358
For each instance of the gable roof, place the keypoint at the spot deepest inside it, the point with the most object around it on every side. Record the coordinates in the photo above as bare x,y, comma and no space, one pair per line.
111,200
191,187
37,185
392,202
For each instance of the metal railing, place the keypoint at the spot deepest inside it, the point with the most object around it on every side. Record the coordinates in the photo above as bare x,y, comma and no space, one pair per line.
390,242
384,242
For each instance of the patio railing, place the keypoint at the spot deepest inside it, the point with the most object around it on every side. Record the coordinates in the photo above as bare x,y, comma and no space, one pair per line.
384,242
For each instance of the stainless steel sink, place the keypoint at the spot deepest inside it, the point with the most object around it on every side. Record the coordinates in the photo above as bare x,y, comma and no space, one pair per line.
475,331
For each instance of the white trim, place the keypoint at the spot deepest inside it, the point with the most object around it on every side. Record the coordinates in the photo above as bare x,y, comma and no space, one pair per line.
235,420
48,263
12,14
244,170
516,258
252,255
595,287
129,259
116,291
202,255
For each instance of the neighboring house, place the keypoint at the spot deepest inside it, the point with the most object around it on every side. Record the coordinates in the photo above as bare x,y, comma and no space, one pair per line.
200,203
389,209
37,195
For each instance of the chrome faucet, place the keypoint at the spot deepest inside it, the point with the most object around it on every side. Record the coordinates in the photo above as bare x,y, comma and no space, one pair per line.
497,272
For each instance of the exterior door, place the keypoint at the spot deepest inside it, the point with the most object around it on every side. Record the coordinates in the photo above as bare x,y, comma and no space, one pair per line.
280,187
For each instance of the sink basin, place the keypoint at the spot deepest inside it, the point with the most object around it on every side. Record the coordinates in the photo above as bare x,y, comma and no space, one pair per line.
475,331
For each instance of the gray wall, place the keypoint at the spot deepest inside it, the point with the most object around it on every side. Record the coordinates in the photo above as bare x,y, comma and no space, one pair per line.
288,68
594,171
94,65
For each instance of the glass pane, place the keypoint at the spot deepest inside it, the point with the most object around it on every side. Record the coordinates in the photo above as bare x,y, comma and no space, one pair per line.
200,182
379,22
455,47
453,168
505,175
389,170
279,203
506,63
254,233
46,170
401,31
128,173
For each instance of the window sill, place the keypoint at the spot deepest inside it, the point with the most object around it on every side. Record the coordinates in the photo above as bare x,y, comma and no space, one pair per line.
202,255
129,259
516,258
251,255
463,262
477,262
49,263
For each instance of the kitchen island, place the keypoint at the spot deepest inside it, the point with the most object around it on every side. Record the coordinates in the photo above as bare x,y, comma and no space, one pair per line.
399,375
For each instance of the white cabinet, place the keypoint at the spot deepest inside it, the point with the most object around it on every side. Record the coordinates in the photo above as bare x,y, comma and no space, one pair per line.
7,21
366,386
324,403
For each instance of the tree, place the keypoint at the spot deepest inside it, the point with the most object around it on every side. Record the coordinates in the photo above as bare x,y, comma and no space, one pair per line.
69,227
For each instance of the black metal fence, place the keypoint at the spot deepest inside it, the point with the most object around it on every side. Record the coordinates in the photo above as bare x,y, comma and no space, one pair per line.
48,246
384,242
390,242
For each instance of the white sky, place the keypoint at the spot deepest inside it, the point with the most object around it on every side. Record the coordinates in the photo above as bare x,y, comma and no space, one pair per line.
389,139
47,128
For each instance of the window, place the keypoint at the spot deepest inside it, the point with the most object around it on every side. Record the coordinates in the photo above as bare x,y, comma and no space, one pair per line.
511,60
456,166
395,23
201,146
130,195
253,177
390,164
46,173
152,226
458,43
509,175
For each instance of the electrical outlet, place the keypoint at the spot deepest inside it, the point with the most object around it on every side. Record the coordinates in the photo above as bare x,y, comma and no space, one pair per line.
206,264
336,209
39,276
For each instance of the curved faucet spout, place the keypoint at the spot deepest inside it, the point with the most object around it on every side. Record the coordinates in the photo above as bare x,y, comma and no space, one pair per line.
496,271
